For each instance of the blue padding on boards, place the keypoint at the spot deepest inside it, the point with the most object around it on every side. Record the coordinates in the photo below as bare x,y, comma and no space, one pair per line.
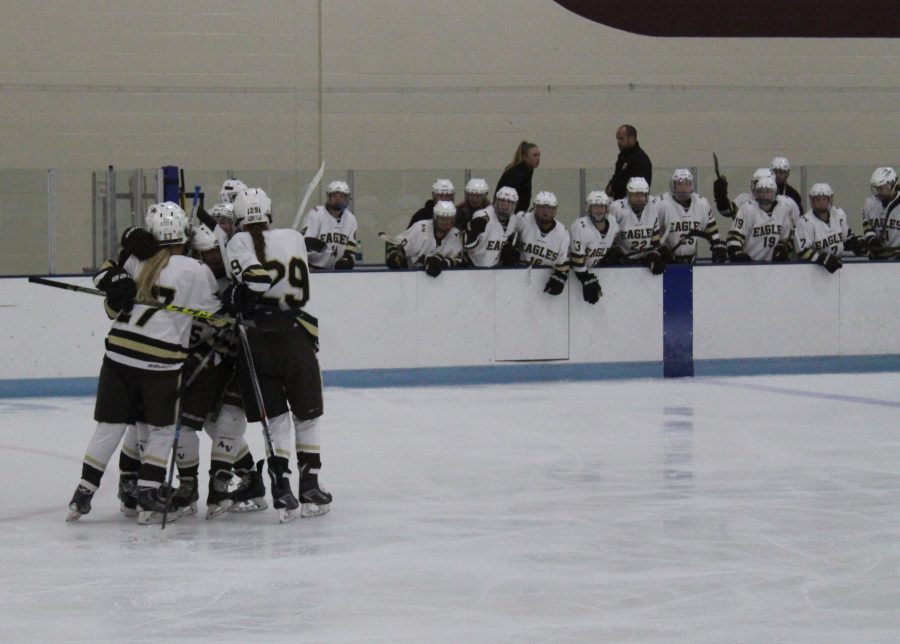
171,188
678,321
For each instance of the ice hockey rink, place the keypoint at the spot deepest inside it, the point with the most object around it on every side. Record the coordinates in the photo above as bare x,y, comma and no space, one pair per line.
761,509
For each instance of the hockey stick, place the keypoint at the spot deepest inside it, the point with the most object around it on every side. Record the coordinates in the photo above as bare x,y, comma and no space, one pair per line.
181,188
194,205
309,190
180,393
391,240
172,308
716,165
289,500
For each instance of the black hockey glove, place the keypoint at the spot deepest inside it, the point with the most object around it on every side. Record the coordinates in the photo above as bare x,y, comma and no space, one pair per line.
396,258
556,283
434,264
856,245
654,262
239,299
720,193
205,218
737,256
590,287
508,255
119,288
613,256
875,247
346,262
829,261
314,244
781,253
668,256
139,242
719,252
475,228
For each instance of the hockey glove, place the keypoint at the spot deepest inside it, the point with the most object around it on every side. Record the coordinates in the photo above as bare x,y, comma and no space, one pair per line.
613,256
508,255
205,218
239,299
781,253
719,253
590,287
556,283
720,193
396,258
856,245
475,228
346,262
654,262
668,256
434,264
737,256
119,288
140,243
829,261
314,244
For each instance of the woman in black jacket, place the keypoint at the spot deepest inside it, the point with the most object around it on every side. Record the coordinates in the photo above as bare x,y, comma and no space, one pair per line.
518,173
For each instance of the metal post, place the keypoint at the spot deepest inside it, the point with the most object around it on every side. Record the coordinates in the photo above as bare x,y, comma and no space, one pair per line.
51,219
159,185
803,179
582,185
110,231
467,174
93,221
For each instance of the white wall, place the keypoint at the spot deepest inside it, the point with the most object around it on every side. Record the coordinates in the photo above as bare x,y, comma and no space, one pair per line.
398,320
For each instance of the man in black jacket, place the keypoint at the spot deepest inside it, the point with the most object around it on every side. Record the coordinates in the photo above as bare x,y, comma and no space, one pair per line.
632,162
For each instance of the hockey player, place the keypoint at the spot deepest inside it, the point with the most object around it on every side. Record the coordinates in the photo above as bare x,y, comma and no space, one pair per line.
330,230
762,229
541,240
592,237
822,231
685,215
476,198
270,268
781,168
487,232
230,188
436,244
877,212
638,216
145,349
728,208
441,190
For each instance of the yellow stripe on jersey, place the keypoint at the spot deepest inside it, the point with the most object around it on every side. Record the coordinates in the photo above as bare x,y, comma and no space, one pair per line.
97,465
257,274
145,348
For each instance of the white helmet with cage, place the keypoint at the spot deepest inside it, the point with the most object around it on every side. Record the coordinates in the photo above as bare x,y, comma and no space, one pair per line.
338,186
638,184
765,191
821,190
507,193
203,239
252,206
444,209
780,163
546,198
881,178
477,187
223,210
167,223
597,198
684,177
230,188
443,187
758,174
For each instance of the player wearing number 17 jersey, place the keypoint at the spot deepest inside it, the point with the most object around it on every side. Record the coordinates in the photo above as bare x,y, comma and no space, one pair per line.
270,266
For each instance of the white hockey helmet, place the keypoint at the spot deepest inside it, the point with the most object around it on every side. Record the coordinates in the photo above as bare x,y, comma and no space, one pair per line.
638,184
883,177
477,187
681,175
597,198
252,206
780,163
444,209
167,223
203,239
821,190
507,193
224,210
443,187
230,188
758,174
546,198
762,188
337,186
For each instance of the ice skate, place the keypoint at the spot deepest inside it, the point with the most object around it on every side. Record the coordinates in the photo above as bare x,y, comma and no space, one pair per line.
283,499
151,506
80,503
314,500
128,494
186,496
250,494
219,500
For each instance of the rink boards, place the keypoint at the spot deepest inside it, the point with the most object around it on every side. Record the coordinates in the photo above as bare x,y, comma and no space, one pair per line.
384,328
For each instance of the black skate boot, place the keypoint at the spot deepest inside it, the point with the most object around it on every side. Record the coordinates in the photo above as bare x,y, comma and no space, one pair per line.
80,503
186,496
283,498
219,499
151,505
128,494
250,494
314,501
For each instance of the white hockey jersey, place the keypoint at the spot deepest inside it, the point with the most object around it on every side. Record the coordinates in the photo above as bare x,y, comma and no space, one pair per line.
588,246
418,242
638,234
814,235
874,214
537,248
283,276
756,232
484,251
338,233
154,339
676,221
787,202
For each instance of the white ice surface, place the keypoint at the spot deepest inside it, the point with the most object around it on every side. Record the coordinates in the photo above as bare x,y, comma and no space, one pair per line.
706,510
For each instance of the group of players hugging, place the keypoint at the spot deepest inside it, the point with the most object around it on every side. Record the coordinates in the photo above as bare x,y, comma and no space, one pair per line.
212,328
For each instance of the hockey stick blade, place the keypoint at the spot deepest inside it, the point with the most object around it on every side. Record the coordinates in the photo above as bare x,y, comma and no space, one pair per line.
309,190
716,165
